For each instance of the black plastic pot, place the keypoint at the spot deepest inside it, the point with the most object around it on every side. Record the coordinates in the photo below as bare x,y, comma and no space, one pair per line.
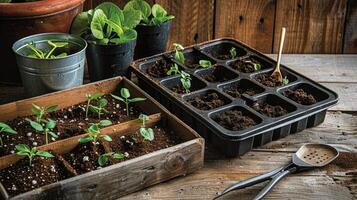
152,39
106,61
233,142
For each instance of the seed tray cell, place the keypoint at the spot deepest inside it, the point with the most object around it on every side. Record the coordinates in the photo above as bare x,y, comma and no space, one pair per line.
239,90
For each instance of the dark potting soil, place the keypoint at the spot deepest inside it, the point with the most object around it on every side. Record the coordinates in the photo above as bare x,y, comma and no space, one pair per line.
84,157
238,91
134,144
191,64
178,89
159,68
207,102
269,110
245,65
217,75
21,177
269,80
300,96
69,122
234,120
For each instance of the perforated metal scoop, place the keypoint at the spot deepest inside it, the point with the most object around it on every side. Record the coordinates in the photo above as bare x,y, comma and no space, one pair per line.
307,157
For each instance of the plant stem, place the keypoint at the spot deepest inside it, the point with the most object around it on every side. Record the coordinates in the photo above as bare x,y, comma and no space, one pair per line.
100,112
30,161
127,108
88,102
49,53
46,135
1,143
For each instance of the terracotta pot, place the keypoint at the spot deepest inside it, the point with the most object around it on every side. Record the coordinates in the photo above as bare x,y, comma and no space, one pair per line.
18,20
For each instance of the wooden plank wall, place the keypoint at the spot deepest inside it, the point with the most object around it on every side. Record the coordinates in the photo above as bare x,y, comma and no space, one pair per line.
313,26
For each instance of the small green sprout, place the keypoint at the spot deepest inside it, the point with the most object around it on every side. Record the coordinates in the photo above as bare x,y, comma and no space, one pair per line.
94,133
285,80
233,52
24,150
179,56
205,63
39,111
45,127
103,159
91,97
147,133
38,53
256,66
99,109
4,128
174,70
186,81
125,95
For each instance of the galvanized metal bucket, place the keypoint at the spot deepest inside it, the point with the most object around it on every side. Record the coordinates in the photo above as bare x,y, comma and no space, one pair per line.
41,76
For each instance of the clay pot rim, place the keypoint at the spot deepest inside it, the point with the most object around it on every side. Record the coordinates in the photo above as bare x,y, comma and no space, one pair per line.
36,8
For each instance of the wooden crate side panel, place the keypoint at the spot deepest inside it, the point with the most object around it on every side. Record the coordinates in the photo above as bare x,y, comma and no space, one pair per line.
313,26
350,41
193,21
251,22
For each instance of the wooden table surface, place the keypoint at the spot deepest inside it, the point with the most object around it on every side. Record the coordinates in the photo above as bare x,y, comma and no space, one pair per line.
335,181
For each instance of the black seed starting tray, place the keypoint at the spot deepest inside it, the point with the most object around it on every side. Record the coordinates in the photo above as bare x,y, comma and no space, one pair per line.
234,107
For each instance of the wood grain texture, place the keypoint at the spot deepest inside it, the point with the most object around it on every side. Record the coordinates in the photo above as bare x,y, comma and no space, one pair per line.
193,21
350,41
251,22
313,26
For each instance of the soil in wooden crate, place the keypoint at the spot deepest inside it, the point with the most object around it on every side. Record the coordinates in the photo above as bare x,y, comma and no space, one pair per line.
207,102
159,68
70,121
269,110
237,91
21,177
84,157
246,65
134,144
269,80
300,96
234,120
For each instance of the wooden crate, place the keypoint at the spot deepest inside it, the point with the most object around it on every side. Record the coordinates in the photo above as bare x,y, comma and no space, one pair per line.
119,179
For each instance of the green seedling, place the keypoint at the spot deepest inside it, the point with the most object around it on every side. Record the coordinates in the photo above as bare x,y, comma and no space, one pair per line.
4,128
31,153
233,52
103,159
39,111
186,81
147,133
149,16
205,63
91,97
179,56
38,53
45,127
285,80
256,66
174,70
94,133
125,98
99,109
107,24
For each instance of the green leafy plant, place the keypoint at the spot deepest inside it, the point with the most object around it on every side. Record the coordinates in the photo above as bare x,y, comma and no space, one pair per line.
4,128
174,70
39,111
233,52
107,24
94,133
45,127
285,80
91,97
179,56
147,133
205,63
103,159
125,98
186,81
149,16
99,108
31,153
38,53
